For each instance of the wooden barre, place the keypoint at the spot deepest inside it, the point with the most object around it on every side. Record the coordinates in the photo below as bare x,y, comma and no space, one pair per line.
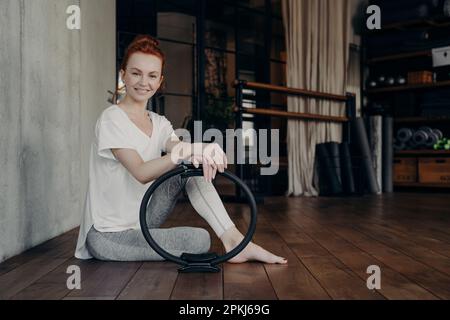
301,92
293,115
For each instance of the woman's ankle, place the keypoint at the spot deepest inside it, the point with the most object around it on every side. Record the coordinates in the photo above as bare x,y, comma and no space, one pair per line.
231,238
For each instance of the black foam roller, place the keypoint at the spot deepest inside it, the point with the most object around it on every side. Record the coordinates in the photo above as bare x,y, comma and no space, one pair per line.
388,154
328,180
360,136
348,181
333,150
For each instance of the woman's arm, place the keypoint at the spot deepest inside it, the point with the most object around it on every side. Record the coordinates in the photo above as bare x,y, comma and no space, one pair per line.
210,155
144,172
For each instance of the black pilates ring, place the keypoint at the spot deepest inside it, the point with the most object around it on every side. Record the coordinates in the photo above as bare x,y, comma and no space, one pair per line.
197,262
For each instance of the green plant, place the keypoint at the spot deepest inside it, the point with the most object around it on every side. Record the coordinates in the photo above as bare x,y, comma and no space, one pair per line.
218,113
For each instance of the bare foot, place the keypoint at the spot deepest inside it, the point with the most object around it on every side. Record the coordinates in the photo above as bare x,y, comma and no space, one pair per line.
253,252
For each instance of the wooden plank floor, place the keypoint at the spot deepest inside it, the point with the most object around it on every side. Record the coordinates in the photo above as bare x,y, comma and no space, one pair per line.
329,243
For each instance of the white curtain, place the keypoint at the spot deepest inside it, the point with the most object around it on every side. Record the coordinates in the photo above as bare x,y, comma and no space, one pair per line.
318,34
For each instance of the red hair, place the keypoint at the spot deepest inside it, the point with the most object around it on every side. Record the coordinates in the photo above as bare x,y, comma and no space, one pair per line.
143,44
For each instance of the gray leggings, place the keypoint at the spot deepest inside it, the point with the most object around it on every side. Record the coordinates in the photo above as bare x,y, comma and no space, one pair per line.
131,245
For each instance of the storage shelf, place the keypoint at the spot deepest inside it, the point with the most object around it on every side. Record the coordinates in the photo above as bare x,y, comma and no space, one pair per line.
406,55
435,22
404,60
409,87
420,184
422,152
422,119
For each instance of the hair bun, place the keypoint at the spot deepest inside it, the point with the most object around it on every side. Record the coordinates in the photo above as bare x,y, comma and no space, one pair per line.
143,38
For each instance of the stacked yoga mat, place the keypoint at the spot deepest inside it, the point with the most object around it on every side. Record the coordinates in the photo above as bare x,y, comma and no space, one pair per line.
422,138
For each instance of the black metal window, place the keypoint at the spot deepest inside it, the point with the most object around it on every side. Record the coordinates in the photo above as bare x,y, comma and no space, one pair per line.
209,44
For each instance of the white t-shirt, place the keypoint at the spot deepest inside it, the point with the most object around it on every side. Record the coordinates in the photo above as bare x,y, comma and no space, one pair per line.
114,196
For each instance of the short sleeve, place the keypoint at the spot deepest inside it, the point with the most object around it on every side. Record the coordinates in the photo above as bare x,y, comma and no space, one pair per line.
111,136
166,133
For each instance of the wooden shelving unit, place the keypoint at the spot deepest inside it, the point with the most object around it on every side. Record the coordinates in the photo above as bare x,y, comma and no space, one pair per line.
414,120
423,152
409,87
435,22
406,55
390,98
421,185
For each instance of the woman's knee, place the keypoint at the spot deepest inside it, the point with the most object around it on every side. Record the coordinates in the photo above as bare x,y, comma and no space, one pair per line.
194,185
201,240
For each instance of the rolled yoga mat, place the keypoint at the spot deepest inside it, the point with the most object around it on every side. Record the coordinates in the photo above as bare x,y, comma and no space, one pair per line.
439,133
360,137
420,138
348,181
375,137
404,134
426,129
432,139
388,154
328,180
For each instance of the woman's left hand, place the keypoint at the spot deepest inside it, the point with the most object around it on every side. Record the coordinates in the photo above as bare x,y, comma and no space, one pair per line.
213,159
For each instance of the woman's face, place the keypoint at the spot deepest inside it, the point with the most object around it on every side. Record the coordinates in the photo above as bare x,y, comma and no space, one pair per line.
142,77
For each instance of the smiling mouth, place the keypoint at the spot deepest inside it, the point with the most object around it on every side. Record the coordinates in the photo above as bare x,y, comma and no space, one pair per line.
142,90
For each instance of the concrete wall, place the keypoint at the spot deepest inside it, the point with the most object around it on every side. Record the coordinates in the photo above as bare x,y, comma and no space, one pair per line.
54,85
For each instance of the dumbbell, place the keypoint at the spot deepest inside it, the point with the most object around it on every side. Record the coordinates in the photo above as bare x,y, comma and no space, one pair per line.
401,80
381,79
372,84
390,81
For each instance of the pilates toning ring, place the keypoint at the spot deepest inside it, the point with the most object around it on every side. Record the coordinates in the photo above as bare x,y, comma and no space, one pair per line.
197,262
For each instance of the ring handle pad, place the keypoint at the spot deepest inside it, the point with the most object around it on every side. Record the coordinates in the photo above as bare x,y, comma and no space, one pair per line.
204,257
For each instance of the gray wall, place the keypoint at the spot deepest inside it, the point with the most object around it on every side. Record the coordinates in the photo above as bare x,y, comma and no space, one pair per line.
53,87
